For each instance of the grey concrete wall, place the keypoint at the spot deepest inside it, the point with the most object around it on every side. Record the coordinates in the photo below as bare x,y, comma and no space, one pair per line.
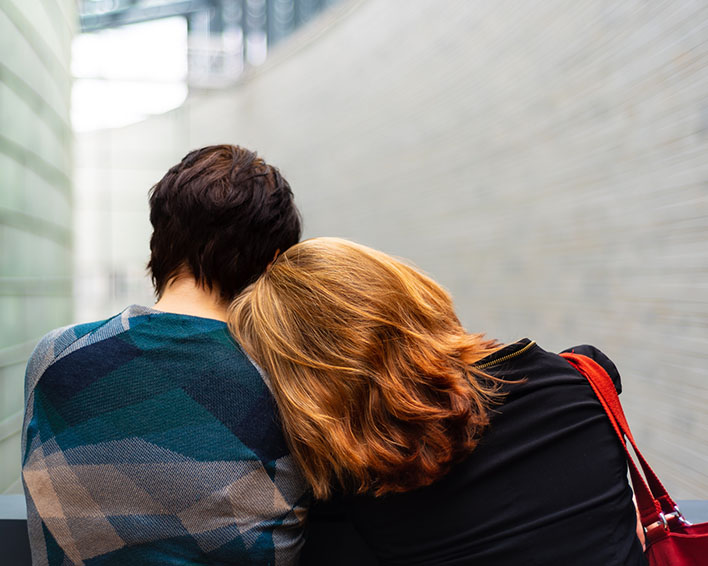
547,161
35,198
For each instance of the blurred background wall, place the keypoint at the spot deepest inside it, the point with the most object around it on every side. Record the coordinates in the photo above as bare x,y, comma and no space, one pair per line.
35,198
545,160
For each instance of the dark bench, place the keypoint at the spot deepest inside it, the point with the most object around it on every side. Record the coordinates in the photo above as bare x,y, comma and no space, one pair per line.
13,531
15,544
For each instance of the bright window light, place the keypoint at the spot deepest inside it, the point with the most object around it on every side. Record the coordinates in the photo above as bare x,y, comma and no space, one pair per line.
126,74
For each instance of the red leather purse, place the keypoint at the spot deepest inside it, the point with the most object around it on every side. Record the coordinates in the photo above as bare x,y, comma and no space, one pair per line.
670,539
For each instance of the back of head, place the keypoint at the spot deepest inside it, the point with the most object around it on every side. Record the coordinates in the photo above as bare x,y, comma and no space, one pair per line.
370,366
220,215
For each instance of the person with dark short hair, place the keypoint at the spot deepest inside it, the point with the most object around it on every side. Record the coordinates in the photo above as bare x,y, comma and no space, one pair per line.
150,437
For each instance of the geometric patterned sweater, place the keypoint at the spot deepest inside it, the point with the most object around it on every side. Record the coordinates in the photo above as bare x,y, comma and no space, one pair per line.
149,439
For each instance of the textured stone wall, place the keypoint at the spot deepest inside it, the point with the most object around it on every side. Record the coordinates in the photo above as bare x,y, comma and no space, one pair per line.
545,160
35,198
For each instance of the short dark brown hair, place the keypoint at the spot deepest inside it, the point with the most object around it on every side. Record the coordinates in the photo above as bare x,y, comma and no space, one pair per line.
221,213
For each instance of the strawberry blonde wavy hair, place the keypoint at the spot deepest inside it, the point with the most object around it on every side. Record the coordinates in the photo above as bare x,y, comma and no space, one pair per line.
371,370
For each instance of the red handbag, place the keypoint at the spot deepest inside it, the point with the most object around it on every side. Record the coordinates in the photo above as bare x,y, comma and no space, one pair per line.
670,539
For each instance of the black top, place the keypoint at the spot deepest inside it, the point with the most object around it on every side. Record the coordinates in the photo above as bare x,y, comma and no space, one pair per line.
547,485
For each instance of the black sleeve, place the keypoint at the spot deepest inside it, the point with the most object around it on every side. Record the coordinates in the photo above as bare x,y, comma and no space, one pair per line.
332,539
600,358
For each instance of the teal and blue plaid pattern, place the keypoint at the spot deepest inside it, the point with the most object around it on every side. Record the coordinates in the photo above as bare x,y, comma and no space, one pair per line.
150,438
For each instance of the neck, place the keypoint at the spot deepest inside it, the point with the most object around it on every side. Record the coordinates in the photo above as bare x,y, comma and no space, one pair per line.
183,295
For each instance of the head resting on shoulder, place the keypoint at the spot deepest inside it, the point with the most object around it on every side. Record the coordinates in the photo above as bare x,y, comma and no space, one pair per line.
220,216
369,365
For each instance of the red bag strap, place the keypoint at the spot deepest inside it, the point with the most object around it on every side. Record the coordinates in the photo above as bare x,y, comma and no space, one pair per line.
652,498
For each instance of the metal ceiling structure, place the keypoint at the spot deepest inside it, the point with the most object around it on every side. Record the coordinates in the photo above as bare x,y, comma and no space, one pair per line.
96,15
221,32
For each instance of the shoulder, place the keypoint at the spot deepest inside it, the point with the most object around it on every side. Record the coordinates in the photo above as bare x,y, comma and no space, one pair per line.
61,341
54,343
598,356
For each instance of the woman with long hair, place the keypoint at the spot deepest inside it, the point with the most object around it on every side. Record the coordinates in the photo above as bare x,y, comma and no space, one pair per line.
441,446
